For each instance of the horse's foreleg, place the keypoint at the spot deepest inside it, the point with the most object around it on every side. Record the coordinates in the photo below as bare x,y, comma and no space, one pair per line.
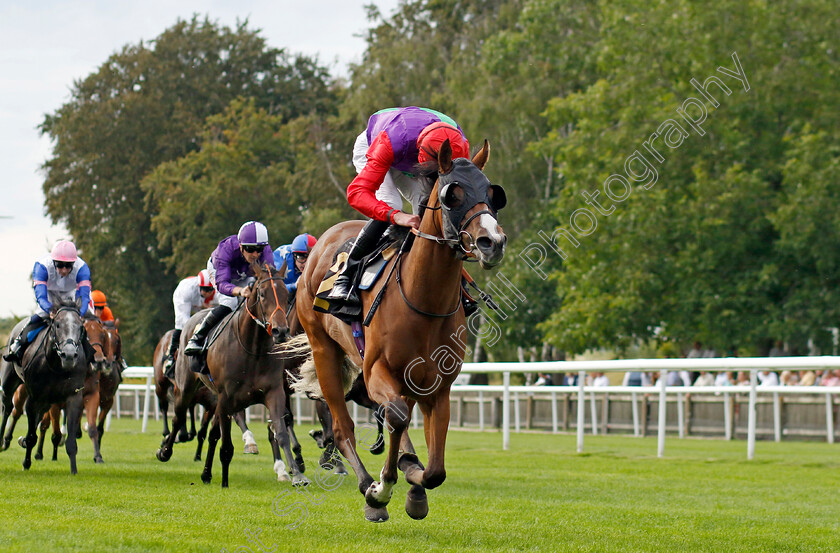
191,433
275,401
290,424
55,419
226,450
18,404
437,423
73,409
163,406
215,432
416,503
104,408
33,417
384,390
42,431
91,405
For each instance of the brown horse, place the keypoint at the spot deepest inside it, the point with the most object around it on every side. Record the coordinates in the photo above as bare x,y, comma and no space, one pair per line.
242,371
164,387
415,343
110,375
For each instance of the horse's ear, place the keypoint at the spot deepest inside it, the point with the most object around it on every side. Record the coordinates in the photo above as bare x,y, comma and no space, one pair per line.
481,157
445,157
117,322
283,268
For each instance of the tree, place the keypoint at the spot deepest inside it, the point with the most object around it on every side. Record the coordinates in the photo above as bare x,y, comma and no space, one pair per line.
144,106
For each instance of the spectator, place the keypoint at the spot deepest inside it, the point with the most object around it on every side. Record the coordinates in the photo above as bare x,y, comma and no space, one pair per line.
831,378
705,379
743,379
695,352
723,378
789,378
807,378
767,378
678,378
636,378
600,379
543,379
570,379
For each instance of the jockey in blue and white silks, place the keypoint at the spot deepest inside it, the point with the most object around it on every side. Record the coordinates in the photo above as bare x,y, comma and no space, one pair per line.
192,294
295,256
59,277
230,269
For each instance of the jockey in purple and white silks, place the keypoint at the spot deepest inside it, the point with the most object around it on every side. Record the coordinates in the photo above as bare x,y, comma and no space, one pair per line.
230,269
61,276
192,294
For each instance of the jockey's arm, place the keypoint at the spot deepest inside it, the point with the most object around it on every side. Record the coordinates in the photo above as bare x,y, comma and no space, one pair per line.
39,279
83,283
361,193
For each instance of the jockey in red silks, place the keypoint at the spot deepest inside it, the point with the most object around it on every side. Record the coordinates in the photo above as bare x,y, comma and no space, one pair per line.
60,276
192,294
386,156
230,269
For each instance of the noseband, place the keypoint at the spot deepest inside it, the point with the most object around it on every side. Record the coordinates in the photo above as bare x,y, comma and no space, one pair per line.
265,323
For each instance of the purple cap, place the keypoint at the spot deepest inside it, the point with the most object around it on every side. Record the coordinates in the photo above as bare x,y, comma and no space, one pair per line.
253,233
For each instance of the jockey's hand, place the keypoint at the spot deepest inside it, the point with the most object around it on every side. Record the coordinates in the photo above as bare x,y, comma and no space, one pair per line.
242,292
407,220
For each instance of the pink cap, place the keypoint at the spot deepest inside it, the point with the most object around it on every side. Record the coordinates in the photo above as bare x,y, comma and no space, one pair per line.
64,250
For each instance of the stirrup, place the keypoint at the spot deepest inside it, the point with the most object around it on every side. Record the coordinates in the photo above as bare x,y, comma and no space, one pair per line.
193,347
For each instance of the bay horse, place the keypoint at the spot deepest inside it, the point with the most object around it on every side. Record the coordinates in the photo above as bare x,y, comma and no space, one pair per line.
53,371
242,371
164,387
414,345
110,375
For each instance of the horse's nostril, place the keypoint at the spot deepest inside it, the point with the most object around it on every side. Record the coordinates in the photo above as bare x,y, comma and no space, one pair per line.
484,243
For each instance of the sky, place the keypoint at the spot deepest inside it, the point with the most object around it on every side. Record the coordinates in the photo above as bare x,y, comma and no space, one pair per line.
47,45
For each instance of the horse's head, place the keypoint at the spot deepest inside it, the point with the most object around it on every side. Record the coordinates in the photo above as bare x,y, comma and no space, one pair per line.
98,340
268,300
470,206
113,346
68,334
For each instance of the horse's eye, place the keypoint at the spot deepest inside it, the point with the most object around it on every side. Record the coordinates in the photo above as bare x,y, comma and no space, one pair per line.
453,196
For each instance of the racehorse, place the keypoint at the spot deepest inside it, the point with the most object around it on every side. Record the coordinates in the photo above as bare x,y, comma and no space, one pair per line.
242,371
110,375
415,341
164,386
98,341
53,370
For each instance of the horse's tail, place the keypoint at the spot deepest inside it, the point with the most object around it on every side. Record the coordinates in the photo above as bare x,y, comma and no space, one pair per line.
306,381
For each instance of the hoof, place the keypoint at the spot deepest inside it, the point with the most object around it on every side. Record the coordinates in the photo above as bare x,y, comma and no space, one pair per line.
371,499
197,458
376,515
26,464
22,442
416,503
280,470
251,449
161,456
39,456
4,444
379,448
206,478
301,464
98,460
300,480
339,469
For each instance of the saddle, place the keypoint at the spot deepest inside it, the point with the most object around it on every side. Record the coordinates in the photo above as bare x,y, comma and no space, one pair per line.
365,275
198,363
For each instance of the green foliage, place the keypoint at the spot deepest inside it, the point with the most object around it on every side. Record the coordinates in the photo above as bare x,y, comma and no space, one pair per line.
144,106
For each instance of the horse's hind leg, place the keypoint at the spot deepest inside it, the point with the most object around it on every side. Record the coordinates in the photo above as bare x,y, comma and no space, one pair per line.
179,418
202,433
275,400
57,436
74,416
296,449
247,435
215,432
18,407
104,408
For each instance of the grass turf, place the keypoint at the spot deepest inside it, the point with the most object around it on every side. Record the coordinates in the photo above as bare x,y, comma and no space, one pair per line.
539,496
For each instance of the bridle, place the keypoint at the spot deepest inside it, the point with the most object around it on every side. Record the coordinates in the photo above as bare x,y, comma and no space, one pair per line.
265,322
75,343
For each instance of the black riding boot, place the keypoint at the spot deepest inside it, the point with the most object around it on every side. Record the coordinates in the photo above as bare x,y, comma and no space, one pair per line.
18,347
196,344
343,289
169,362
469,303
